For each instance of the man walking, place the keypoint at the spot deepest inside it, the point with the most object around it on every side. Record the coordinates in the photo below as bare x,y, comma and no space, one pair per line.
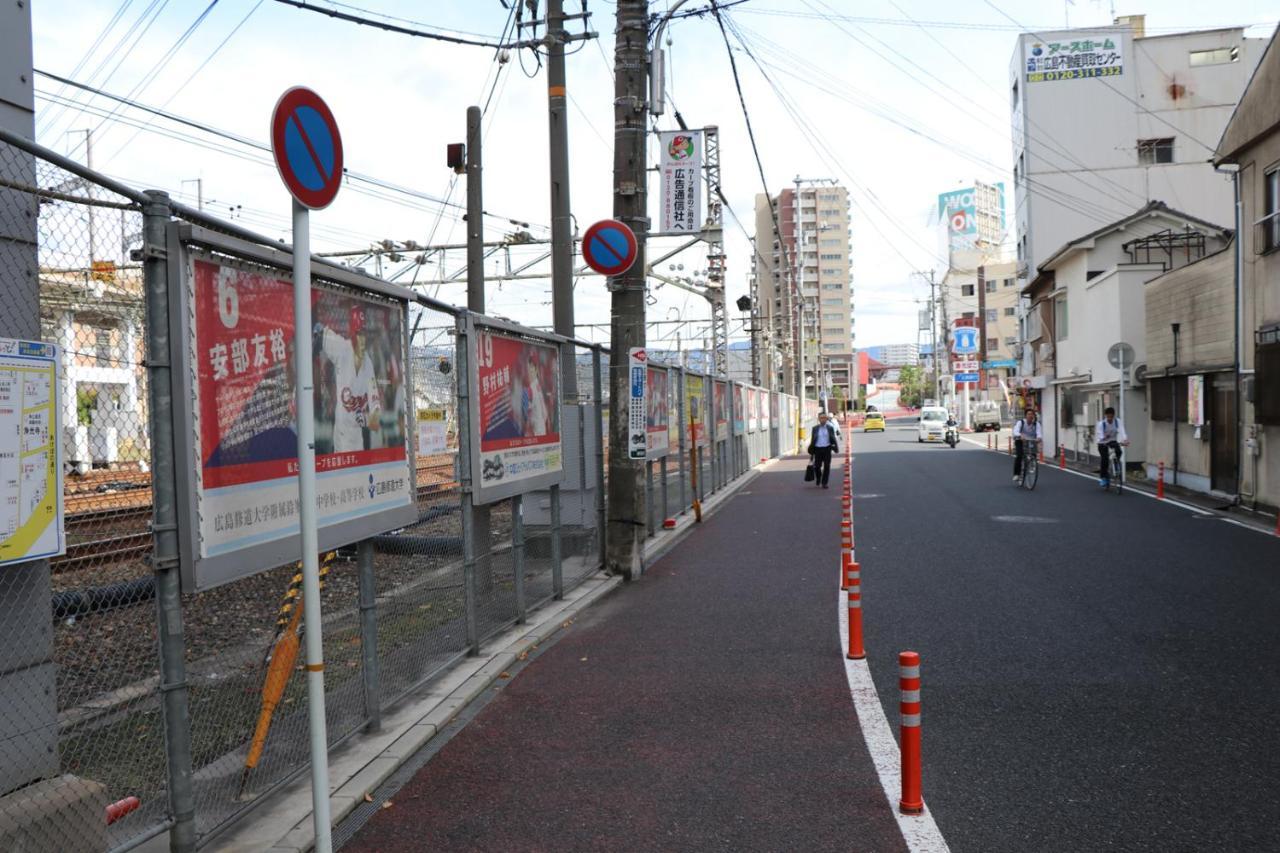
823,442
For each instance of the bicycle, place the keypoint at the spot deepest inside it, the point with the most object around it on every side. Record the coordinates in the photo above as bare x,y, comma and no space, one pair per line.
1030,463
1115,467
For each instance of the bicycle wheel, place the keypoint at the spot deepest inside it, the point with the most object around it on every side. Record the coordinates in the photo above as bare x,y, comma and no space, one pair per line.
1030,473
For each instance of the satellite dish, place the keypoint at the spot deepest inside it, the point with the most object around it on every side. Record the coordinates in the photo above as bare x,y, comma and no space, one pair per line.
1120,355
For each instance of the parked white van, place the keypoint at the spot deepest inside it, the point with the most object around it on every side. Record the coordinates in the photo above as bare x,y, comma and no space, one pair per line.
933,424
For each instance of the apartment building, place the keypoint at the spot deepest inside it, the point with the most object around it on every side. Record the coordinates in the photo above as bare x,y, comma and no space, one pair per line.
1106,120
804,288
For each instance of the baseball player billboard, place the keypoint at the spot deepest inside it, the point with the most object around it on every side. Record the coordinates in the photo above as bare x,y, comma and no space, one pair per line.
516,403
241,486
658,413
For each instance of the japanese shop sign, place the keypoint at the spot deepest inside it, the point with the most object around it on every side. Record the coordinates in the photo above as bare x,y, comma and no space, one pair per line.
31,514
680,172
1074,59
243,442
516,394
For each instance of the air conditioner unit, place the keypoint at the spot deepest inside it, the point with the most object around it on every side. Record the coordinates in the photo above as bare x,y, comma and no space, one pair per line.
1046,351
1139,375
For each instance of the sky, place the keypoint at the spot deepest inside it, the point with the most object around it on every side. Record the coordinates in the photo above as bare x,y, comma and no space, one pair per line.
899,100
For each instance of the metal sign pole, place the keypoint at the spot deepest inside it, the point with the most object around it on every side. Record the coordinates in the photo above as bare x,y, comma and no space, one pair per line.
307,526
1122,410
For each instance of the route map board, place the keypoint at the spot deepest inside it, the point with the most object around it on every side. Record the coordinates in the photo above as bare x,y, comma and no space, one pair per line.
31,513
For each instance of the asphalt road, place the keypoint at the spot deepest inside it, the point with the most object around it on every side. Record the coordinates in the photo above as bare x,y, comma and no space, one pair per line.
1099,672
702,708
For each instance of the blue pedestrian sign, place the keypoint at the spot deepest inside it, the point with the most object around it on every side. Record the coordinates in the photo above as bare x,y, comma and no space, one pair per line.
964,339
307,147
609,247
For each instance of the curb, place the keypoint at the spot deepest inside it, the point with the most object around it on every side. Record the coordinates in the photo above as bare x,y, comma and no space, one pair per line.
283,823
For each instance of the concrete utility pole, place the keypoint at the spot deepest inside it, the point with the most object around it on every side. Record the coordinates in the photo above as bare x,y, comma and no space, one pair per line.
982,324
475,301
561,218
625,549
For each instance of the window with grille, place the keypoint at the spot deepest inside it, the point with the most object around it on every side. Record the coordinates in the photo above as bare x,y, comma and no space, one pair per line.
1153,151
967,290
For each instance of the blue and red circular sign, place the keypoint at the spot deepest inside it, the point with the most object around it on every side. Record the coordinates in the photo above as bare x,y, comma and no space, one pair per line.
609,247
307,147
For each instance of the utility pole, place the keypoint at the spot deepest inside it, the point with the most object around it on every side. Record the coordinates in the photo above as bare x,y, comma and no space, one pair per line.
479,515
88,188
199,182
561,218
982,324
625,534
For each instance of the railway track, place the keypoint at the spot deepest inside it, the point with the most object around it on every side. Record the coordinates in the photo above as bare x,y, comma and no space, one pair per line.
112,549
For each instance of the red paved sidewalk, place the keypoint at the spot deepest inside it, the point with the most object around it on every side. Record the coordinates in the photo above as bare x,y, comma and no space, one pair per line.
704,707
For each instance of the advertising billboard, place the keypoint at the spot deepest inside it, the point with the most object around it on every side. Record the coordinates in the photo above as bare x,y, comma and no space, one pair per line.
721,410
1075,59
753,409
680,177
739,409
676,416
237,349
516,408
695,407
658,415
971,215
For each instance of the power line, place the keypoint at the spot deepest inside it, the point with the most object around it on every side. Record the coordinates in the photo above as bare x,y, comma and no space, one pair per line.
115,19
394,28
1103,81
260,146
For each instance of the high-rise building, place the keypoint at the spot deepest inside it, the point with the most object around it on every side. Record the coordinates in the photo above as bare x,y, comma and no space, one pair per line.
803,279
1106,120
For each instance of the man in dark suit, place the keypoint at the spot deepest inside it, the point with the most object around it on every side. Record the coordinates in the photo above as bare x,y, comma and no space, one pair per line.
824,441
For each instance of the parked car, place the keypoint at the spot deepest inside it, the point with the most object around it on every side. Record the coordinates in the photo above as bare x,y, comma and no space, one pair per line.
874,422
986,415
932,425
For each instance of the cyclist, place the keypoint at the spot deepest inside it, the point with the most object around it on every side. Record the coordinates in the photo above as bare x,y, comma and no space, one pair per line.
1110,436
1027,429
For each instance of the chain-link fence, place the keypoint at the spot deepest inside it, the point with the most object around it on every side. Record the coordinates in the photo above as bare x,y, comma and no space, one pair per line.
131,705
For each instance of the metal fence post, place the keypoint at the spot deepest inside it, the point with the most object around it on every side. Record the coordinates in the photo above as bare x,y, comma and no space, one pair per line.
369,635
597,393
517,557
662,472
682,432
465,480
557,570
175,697
648,497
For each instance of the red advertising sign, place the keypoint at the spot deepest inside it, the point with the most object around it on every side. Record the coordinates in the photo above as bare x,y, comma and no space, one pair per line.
721,402
658,412
246,449
518,388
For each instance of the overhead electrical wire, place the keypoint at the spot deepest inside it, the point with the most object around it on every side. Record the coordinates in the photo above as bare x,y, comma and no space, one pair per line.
97,42
416,32
263,147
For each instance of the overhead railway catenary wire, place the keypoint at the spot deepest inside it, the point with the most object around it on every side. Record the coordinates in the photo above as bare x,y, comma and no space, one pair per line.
967,25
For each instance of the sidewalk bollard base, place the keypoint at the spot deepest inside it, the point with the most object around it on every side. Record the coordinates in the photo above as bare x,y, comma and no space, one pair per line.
908,808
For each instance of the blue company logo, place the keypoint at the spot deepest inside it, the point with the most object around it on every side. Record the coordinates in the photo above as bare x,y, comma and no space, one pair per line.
1037,50
609,247
371,486
308,146
964,339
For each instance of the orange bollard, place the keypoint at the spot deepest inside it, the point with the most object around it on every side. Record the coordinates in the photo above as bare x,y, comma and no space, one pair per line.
856,652
1062,456
120,808
912,801
846,551
1160,482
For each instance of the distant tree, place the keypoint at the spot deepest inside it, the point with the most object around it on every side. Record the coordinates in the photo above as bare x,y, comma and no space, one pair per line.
911,385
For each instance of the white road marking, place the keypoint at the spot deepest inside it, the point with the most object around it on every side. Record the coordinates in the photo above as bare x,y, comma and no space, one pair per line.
1024,519
920,832
1171,501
